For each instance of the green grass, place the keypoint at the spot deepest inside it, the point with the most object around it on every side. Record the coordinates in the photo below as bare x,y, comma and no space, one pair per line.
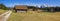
35,16
15,17
3,11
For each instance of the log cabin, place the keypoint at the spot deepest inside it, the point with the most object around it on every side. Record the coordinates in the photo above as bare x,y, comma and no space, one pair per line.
20,8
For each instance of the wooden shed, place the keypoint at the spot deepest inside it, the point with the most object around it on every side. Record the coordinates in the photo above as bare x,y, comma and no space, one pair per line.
20,8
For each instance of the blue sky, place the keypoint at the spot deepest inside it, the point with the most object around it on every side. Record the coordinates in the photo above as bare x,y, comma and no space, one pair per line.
11,3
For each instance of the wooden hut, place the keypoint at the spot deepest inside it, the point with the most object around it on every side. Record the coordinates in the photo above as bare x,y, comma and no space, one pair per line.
20,8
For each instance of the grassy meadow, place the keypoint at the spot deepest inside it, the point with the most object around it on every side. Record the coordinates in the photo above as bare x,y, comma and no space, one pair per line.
34,16
2,11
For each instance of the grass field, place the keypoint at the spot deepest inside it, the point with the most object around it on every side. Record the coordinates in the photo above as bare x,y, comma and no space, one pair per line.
35,16
2,11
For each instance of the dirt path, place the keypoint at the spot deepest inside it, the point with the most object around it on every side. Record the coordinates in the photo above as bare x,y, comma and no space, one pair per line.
5,16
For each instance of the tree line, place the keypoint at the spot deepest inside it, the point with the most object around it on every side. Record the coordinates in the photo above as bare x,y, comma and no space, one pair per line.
57,8
2,6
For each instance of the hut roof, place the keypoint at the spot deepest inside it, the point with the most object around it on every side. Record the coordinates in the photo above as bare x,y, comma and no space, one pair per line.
21,7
